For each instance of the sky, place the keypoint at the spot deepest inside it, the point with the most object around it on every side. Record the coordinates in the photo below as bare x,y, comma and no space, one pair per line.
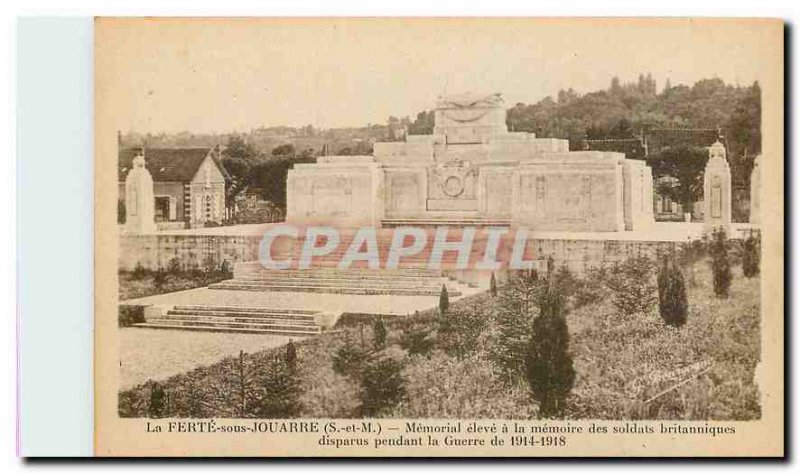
216,76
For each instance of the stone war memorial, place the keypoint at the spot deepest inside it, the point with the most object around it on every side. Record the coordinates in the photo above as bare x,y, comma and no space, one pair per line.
473,171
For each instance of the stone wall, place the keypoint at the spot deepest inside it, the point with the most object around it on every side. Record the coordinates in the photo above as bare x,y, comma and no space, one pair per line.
154,251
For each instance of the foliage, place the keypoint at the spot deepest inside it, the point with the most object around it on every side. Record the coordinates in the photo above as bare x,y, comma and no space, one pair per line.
751,256
673,304
156,408
460,330
379,334
686,164
130,314
417,339
548,366
382,385
444,387
493,286
282,391
349,359
120,211
632,285
720,263
269,176
444,300
291,355
515,310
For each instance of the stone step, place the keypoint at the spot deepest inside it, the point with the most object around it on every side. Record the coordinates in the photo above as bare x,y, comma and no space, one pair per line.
425,282
242,317
241,268
386,290
246,309
337,283
189,321
305,275
445,221
263,331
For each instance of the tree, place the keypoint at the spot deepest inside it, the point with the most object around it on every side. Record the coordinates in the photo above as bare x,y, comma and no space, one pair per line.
282,391
379,333
673,305
720,263
156,410
751,256
632,285
382,385
493,286
460,330
444,300
516,309
548,366
291,355
284,151
686,164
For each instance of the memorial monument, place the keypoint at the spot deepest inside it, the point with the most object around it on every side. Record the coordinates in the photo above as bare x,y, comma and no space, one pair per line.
139,202
717,188
473,171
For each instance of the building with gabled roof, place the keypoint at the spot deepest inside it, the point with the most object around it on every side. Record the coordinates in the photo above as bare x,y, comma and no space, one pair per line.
188,184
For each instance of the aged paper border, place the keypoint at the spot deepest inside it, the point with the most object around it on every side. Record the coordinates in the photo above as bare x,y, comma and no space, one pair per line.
126,437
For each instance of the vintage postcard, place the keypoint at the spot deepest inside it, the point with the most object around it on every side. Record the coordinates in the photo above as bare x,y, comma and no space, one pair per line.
439,237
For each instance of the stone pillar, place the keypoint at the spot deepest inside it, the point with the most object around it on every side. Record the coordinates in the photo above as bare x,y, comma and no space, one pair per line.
717,188
139,201
755,191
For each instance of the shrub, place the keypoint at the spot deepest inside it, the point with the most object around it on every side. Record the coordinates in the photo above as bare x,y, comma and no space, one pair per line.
159,279
349,359
673,304
493,286
130,314
516,308
443,387
632,284
444,300
751,256
460,330
548,366
226,269
156,409
282,391
138,272
174,266
417,339
120,211
379,335
720,263
382,385
291,355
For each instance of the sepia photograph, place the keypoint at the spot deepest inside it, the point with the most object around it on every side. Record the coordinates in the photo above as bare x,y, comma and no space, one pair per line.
435,229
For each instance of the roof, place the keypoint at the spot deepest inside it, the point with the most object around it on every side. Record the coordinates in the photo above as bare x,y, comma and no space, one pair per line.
168,164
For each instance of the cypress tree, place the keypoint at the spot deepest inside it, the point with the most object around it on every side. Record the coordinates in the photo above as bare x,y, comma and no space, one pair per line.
379,332
673,304
157,395
720,264
751,257
493,286
549,367
444,300
291,355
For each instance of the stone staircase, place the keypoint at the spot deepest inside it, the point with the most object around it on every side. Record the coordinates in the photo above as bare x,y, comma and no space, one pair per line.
413,281
236,319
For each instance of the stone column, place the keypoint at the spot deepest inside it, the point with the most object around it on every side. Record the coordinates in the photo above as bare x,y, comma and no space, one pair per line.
755,191
139,201
717,188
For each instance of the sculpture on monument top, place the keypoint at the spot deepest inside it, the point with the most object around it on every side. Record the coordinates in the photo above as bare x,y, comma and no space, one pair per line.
139,202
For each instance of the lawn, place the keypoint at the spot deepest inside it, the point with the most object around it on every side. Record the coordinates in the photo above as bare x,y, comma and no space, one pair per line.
627,366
